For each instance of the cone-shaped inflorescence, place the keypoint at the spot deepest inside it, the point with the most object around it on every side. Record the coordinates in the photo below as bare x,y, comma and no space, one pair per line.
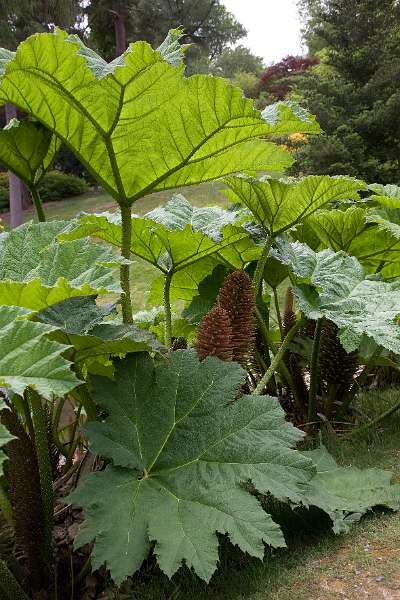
337,367
23,475
214,337
289,316
236,297
289,320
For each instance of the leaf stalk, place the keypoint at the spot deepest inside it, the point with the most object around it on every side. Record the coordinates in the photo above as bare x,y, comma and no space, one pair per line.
314,375
126,301
37,201
276,360
167,309
262,261
45,471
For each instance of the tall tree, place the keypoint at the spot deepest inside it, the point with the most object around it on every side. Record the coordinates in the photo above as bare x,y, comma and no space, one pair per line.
276,79
19,19
236,60
206,24
355,91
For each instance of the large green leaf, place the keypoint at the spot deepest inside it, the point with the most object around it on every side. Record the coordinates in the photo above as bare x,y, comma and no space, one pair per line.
278,206
378,247
207,294
52,271
338,229
76,315
180,237
28,358
346,494
185,283
138,124
80,324
113,339
178,213
27,149
335,286
181,448
386,195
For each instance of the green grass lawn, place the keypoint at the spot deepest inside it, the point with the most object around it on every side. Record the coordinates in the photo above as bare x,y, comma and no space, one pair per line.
204,195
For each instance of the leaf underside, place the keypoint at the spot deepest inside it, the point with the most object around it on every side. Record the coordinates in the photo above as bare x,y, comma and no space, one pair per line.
138,124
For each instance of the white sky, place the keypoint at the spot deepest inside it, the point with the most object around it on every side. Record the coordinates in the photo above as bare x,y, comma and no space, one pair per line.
273,27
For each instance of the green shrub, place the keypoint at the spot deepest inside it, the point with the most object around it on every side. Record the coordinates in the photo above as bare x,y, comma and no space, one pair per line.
3,191
55,186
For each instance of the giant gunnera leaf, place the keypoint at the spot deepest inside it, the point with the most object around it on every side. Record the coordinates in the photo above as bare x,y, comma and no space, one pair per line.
138,124
346,494
171,238
334,286
181,446
27,149
279,206
36,270
29,358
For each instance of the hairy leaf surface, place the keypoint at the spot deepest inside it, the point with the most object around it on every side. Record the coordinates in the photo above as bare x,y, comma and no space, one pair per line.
180,237
288,117
335,286
180,450
80,322
52,271
386,195
28,358
76,315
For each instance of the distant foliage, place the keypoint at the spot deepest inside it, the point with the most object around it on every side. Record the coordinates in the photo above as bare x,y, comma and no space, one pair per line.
276,79
354,92
55,186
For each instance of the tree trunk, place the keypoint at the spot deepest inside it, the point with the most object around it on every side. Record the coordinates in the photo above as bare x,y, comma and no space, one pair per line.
16,188
26,197
119,28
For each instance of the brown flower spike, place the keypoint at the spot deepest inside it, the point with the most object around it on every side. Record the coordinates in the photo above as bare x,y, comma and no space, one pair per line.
228,329
237,298
214,337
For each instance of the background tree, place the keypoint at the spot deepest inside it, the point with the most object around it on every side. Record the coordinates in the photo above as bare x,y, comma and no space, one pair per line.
236,60
355,90
21,18
275,81
240,66
206,23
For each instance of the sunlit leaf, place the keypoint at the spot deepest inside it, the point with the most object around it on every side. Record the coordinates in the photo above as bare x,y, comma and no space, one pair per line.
279,206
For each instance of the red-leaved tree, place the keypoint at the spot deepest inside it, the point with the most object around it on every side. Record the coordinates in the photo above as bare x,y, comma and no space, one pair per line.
275,80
